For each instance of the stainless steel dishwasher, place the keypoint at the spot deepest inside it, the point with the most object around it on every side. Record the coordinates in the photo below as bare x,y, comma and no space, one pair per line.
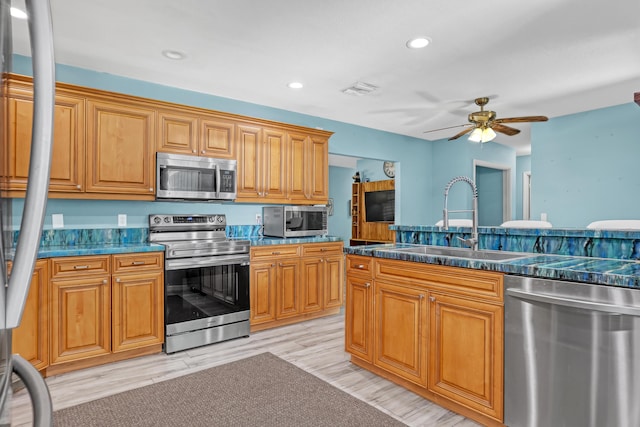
572,354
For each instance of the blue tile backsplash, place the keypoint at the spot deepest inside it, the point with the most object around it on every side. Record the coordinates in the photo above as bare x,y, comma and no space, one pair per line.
552,241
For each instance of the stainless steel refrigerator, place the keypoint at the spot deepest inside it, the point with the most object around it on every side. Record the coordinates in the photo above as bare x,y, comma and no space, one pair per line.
14,287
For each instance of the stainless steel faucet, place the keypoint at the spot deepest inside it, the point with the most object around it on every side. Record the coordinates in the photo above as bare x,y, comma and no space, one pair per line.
473,241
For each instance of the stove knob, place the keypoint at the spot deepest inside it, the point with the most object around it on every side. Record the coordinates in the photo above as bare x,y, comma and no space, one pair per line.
167,219
156,220
212,219
220,219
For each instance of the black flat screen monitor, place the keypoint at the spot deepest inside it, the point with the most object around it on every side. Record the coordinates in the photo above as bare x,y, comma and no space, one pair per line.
380,206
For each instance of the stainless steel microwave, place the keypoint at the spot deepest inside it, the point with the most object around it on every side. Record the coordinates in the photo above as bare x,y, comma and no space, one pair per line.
182,177
294,221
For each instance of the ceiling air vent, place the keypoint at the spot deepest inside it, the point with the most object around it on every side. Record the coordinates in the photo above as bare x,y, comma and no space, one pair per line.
359,89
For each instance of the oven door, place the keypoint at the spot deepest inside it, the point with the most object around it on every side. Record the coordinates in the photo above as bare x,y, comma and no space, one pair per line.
204,292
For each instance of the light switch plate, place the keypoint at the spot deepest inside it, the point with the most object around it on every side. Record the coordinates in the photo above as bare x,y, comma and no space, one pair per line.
57,221
122,220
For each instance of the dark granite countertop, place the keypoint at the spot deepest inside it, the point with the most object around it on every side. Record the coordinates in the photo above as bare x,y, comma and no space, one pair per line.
601,271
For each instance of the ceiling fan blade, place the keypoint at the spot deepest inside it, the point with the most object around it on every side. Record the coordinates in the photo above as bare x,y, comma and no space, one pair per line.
450,127
459,134
522,119
507,130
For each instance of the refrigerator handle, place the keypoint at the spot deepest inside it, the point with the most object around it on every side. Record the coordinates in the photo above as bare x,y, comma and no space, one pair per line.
575,303
41,34
38,391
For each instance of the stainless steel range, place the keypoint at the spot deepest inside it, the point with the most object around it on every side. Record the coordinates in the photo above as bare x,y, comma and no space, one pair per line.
206,280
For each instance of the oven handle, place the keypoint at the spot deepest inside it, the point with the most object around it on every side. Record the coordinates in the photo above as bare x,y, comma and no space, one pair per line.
210,261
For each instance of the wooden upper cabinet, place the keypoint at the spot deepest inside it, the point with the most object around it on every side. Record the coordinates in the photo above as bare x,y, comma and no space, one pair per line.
67,166
120,149
217,137
193,134
308,168
177,132
261,164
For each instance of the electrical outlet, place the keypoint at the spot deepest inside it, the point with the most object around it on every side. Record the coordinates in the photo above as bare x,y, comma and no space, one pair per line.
57,221
258,219
122,220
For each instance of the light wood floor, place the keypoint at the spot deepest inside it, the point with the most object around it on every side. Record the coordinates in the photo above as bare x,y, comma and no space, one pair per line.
317,346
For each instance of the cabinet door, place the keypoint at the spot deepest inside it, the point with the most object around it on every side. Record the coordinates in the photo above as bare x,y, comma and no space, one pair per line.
288,289
298,171
217,137
263,292
466,352
80,318
120,149
67,169
274,160
137,318
31,338
358,317
318,169
401,331
250,169
333,279
177,133
312,284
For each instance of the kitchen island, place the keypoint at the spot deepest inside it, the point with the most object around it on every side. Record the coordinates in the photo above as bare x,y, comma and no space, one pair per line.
435,324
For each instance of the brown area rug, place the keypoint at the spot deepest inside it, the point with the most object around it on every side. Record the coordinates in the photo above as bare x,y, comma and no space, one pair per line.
262,390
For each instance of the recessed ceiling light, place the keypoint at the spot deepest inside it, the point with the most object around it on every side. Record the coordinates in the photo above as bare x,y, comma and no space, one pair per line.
173,54
18,13
418,43
295,85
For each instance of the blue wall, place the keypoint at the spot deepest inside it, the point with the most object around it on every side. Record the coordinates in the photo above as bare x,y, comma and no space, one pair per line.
347,140
340,191
523,164
454,158
584,166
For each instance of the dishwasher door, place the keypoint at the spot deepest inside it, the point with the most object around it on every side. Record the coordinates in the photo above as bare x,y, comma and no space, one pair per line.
572,354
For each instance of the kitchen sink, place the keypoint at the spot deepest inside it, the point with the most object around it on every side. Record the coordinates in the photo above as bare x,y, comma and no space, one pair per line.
463,253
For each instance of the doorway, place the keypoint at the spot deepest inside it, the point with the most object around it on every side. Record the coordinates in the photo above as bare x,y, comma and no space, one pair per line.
494,193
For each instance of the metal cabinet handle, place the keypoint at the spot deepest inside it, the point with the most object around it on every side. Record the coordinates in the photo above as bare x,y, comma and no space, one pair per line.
203,152
78,186
273,265
193,151
151,189
80,267
280,264
104,281
421,297
117,280
432,299
275,253
367,285
360,266
137,263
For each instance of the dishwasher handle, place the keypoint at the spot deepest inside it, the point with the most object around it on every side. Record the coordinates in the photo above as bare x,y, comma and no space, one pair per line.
575,303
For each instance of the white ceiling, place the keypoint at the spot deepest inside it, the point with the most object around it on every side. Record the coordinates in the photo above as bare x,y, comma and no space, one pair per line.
543,57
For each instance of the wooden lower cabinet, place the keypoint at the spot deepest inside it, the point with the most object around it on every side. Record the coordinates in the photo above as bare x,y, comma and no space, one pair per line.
137,317
31,339
400,331
358,317
105,308
291,283
466,344
438,331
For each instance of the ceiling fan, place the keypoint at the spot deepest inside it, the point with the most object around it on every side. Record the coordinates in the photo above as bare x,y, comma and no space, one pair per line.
484,124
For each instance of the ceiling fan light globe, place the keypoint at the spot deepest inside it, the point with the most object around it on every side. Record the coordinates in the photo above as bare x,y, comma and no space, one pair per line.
482,135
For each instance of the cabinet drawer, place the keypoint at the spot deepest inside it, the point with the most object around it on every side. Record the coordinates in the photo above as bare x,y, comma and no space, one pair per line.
74,266
359,264
464,281
134,262
322,249
272,251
